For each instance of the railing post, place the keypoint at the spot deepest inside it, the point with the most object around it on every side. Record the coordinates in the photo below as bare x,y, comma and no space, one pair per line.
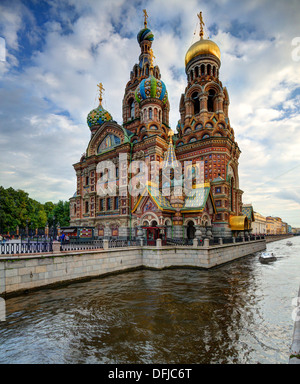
55,246
195,243
105,244
158,243
220,240
206,242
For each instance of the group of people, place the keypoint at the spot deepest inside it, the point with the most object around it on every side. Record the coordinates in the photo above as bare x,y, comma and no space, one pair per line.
2,239
64,238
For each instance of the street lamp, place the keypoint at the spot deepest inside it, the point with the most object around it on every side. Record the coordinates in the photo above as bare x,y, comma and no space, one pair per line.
53,227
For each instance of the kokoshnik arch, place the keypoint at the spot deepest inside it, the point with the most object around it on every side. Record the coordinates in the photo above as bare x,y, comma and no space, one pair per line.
204,136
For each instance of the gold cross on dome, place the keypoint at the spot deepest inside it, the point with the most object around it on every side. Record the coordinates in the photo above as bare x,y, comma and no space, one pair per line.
201,24
146,17
101,89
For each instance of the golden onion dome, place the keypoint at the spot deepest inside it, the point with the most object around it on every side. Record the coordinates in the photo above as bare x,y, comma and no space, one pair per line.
202,47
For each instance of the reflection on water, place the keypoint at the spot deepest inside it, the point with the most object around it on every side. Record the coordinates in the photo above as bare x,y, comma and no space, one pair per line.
238,313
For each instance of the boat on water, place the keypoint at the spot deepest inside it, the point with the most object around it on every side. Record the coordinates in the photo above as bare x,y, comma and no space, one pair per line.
266,257
289,243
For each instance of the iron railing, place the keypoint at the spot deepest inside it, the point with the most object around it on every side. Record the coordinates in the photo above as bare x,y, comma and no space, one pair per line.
188,242
16,248
81,245
115,243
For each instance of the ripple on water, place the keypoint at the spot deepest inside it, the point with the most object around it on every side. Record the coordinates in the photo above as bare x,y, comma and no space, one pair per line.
237,313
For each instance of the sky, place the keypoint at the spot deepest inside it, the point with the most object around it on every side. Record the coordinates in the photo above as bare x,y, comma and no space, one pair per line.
53,53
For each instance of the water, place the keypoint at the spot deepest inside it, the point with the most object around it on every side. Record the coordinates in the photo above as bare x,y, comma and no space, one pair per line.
238,313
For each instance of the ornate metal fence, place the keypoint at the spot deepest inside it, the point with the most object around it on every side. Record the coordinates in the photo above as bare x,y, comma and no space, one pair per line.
188,242
80,245
16,248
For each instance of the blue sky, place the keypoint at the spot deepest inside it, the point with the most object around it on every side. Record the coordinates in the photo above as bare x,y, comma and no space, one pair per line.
58,51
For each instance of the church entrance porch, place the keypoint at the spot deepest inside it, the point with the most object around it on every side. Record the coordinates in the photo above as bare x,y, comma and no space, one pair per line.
191,230
154,233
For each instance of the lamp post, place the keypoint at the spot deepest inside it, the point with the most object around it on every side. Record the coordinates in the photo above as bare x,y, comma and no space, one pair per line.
53,227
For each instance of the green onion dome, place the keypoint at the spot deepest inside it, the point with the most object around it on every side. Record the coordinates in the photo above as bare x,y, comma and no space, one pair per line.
98,116
151,88
145,34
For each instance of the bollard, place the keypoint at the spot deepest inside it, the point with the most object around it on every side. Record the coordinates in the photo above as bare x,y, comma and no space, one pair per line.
158,243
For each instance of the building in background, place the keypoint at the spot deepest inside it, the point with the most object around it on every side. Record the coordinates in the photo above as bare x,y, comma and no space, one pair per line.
259,226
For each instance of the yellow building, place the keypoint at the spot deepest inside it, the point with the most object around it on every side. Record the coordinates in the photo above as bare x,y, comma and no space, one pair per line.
274,225
259,225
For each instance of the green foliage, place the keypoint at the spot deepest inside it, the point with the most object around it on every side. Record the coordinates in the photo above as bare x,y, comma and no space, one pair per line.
18,209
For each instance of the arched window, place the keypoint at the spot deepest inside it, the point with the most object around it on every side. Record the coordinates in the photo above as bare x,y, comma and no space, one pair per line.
150,113
145,114
159,115
210,100
188,130
75,209
192,139
214,71
86,207
209,69
155,114
202,68
198,126
192,75
132,109
197,72
196,102
206,136
110,141
179,144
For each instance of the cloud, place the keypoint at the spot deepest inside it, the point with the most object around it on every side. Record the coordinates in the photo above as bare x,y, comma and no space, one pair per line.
57,52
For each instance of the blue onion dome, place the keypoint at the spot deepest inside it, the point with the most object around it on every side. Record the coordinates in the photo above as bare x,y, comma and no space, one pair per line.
98,116
145,34
151,88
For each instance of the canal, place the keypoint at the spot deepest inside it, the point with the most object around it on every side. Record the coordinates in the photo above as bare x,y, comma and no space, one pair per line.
240,312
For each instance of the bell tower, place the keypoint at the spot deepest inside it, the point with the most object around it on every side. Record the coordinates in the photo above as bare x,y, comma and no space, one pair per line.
204,130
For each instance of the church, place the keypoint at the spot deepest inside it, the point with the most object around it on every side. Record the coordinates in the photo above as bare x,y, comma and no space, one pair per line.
201,152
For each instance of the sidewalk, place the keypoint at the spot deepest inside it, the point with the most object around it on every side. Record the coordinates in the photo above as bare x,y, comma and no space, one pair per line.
295,348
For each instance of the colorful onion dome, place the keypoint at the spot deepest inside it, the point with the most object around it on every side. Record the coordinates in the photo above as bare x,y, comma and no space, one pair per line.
151,88
98,116
145,34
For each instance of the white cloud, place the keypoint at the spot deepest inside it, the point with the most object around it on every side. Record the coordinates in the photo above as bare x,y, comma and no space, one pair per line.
47,96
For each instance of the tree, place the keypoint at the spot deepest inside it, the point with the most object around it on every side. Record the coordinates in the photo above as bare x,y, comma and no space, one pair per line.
18,209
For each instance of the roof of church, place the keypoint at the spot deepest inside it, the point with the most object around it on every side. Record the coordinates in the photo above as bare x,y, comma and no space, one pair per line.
198,198
160,201
247,210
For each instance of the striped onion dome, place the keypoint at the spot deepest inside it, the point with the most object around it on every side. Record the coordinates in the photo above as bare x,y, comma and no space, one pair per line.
151,88
145,34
